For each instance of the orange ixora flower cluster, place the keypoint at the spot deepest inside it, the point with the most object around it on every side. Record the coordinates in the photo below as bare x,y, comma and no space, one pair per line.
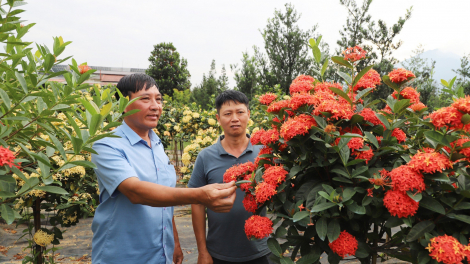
249,202
345,244
267,98
449,117
238,172
371,116
299,125
429,161
400,75
399,134
258,227
264,150
6,157
275,175
354,53
411,94
462,104
399,204
448,250
404,178
370,80
300,87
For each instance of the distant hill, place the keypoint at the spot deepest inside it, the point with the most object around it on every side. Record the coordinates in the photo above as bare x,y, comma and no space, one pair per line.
445,63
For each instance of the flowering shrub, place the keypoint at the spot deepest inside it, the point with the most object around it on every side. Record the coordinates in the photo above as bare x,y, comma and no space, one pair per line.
339,175
47,130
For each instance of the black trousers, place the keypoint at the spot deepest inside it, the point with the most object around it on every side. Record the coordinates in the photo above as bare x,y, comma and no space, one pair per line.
262,260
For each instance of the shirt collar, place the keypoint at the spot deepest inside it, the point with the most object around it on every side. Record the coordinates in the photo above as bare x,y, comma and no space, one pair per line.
134,137
222,151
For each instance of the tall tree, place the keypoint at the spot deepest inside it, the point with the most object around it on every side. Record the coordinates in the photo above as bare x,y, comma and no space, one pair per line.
246,76
287,51
168,69
210,86
464,74
374,37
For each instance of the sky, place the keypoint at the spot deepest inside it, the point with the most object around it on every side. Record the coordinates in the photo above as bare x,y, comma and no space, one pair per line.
116,33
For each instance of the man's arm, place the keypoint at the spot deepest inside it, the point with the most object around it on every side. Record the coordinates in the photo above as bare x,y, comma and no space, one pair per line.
217,197
178,253
199,226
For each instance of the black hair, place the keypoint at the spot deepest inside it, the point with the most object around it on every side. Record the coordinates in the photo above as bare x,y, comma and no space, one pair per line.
133,83
231,96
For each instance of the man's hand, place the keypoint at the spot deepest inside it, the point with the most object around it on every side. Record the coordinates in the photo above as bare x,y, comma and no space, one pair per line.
219,197
178,254
204,257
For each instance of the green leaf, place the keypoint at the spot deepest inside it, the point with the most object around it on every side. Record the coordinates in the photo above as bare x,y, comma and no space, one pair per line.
463,218
77,145
400,105
90,106
320,121
465,119
360,74
58,145
390,84
321,226
444,82
106,109
4,194
87,164
356,119
60,106
274,246
383,119
322,207
51,189
334,230
419,229
360,171
41,159
311,257
354,162
363,93
357,209
437,137
345,76
285,260
5,98
341,61
7,213
300,215
325,66
341,172
340,93
95,123
438,177
348,193
316,53
22,81
372,139
312,42
415,196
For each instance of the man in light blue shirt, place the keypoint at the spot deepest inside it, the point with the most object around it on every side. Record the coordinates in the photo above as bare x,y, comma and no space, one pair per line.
134,222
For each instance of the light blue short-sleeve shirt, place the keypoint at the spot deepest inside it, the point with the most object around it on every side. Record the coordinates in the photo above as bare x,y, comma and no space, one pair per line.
124,232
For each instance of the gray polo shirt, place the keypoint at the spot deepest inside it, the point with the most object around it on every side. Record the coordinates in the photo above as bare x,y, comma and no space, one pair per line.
226,238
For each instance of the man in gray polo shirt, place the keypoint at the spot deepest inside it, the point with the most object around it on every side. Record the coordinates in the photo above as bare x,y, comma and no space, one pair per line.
226,240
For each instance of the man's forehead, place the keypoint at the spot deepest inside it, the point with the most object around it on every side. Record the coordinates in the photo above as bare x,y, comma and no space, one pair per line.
151,91
233,104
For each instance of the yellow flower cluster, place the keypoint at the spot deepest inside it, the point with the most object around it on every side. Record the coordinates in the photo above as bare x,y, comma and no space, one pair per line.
187,112
177,128
211,121
42,238
186,159
184,169
68,219
195,115
186,119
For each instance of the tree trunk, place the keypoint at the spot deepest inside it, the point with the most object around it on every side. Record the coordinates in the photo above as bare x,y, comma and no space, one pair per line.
175,152
37,227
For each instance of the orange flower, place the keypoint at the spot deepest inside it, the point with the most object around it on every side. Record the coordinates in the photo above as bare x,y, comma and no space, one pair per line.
354,53
324,87
6,157
264,150
236,172
83,68
258,227
267,98
408,93
335,108
356,143
299,125
345,244
299,100
321,96
405,179
270,136
304,78
275,175
246,186
264,191
383,181
429,161
447,249
448,117
399,134
462,104
418,107
300,87
370,80
400,75
459,143
370,116
249,203
399,204
256,137
277,106
366,155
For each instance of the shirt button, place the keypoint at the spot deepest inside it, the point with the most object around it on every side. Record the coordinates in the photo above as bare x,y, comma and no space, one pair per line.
164,228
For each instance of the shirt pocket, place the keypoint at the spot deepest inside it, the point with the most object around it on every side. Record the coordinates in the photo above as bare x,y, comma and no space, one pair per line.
167,176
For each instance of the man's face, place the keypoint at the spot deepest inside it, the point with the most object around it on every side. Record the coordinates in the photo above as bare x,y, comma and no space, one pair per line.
233,118
150,106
